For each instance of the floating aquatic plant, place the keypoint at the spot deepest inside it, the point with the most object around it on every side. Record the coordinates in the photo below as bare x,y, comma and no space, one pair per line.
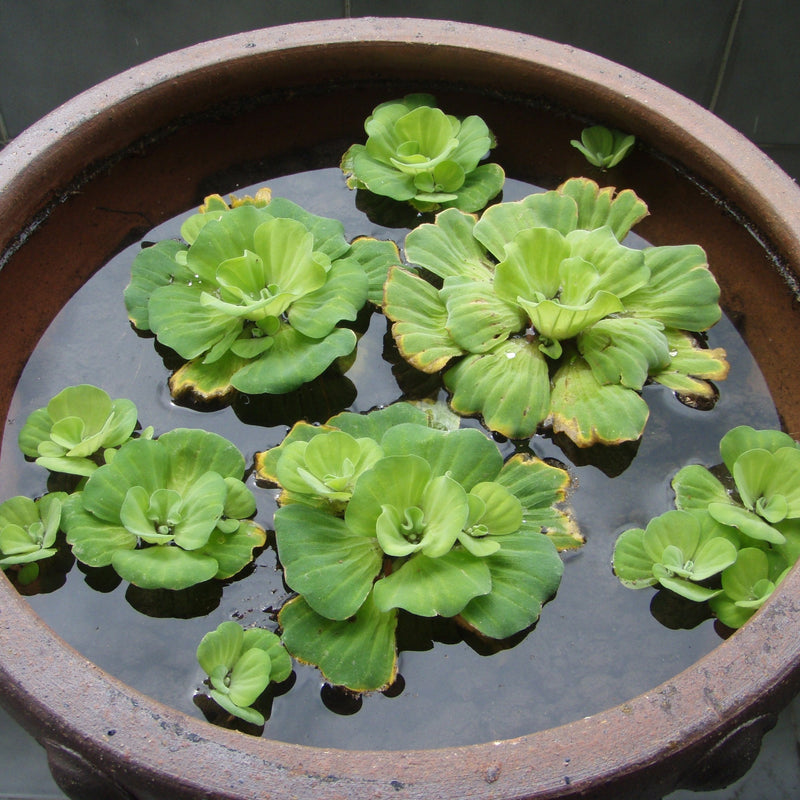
604,147
254,299
677,550
166,513
745,536
28,530
240,664
381,513
540,314
416,153
77,426
765,466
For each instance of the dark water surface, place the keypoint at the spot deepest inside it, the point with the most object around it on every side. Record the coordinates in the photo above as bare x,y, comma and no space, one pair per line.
597,644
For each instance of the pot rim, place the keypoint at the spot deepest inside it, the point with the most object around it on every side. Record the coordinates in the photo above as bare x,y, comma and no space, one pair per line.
692,712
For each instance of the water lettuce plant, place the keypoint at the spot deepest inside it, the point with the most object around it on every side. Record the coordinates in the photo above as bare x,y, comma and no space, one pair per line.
166,513
726,543
382,513
537,313
75,429
604,147
28,530
240,664
254,298
416,153
677,550
765,467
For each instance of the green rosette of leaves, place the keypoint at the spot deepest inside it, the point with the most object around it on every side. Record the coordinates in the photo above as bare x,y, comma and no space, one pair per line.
166,513
765,467
413,518
541,315
28,530
730,543
677,550
75,429
240,664
255,299
603,147
418,154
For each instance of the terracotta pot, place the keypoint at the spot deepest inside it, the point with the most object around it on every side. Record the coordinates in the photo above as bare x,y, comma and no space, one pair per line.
155,136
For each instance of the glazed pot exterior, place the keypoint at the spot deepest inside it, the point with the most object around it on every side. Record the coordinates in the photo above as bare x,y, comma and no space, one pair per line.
108,166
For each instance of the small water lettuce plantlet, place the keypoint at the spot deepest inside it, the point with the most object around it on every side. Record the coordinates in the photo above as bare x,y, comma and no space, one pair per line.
728,544
677,550
77,427
417,153
604,147
28,530
240,664
540,314
254,300
166,513
765,466
408,517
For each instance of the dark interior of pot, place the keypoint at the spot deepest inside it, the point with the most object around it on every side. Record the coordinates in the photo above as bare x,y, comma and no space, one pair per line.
269,104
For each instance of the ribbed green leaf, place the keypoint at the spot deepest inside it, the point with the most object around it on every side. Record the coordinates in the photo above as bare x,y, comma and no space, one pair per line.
293,360
329,563
761,476
247,714
233,551
501,223
530,269
181,321
555,321
466,454
525,573
358,653
598,207
624,350
381,178
509,387
632,565
207,381
221,647
163,567
341,297
420,321
479,187
376,257
328,233
326,466
477,318
448,248
747,522
691,367
474,142
380,420
589,412
153,267
695,488
249,677
681,292
743,438
434,586
621,269
193,452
